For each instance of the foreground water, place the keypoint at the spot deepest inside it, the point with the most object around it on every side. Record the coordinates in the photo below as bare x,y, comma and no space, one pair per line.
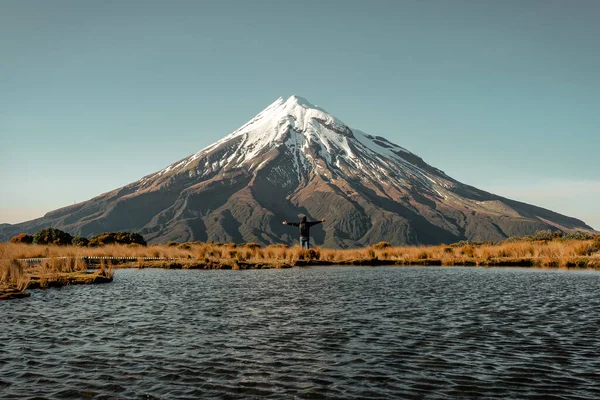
308,333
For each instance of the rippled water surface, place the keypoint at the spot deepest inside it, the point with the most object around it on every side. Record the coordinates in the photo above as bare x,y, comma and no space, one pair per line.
308,333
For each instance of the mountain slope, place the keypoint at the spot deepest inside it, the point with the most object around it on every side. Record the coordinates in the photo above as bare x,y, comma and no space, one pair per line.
294,158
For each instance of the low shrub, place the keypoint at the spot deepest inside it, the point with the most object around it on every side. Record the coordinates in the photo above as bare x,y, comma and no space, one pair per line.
381,245
52,236
22,238
542,235
117,238
578,235
80,241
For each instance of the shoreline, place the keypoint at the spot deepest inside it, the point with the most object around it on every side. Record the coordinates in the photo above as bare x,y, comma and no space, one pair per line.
54,280
46,279
582,263
24,266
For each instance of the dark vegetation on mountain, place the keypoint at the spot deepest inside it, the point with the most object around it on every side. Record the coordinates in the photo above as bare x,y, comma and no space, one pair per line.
295,159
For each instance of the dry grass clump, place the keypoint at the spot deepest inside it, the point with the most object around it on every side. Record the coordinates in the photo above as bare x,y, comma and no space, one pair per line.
12,273
596,244
381,245
11,270
106,271
64,265
275,252
61,267
15,278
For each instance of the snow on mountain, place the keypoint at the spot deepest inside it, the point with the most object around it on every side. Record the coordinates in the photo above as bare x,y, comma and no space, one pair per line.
318,142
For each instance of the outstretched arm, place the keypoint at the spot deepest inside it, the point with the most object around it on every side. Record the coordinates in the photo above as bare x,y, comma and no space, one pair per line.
291,223
316,222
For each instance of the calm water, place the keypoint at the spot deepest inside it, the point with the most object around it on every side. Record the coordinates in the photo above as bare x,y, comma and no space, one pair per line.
308,333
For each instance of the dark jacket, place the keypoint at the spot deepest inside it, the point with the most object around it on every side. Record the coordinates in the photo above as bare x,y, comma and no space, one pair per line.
304,226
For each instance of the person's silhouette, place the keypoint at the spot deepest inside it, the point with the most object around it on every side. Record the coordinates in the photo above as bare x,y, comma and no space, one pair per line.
304,226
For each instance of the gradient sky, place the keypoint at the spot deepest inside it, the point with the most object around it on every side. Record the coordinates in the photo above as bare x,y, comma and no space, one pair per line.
502,95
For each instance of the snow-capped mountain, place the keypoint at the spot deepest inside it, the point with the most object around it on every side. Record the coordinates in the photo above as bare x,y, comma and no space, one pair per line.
292,159
316,143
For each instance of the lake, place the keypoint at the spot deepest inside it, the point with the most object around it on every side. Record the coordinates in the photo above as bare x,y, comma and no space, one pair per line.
347,333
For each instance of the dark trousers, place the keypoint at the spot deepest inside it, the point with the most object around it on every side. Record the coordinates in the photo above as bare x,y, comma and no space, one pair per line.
305,242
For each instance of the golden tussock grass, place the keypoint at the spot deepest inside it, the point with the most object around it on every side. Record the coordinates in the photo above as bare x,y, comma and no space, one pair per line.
13,274
62,268
552,253
67,264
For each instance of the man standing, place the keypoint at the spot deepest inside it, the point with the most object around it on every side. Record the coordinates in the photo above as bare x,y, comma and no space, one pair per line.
304,226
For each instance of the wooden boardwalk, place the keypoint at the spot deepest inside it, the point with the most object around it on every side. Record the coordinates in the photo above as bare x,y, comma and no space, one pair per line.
35,261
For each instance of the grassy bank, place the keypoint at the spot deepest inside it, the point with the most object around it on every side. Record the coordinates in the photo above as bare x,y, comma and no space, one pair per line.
17,277
67,265
556,253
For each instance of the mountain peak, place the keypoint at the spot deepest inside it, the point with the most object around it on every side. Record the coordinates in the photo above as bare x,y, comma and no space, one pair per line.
290,106
313,138
296,100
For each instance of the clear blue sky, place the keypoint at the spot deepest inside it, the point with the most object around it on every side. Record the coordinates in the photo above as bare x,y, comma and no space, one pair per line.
502,95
